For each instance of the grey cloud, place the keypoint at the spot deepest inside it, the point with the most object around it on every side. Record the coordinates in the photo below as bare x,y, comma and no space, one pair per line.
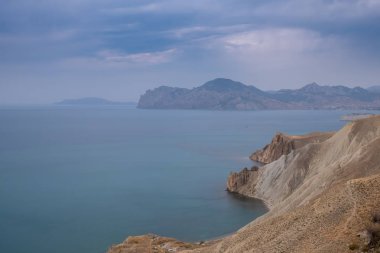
141,43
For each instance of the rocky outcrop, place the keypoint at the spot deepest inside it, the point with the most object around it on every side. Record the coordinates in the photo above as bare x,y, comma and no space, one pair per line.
323,197
308,170
283,144
152,244
236,180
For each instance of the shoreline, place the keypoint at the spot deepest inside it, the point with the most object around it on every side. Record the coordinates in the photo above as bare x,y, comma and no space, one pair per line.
239,195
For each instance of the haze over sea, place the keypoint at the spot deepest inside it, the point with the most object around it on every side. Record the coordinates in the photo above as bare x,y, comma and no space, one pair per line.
78,179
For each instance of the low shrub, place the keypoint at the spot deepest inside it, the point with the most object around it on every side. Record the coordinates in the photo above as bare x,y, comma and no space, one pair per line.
353,246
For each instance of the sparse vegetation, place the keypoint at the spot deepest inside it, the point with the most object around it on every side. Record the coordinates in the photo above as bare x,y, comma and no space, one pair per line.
374,231
376,217
353,246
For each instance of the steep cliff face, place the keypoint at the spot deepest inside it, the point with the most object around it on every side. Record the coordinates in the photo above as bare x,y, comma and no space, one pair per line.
300,175
237,180
283,144
323,197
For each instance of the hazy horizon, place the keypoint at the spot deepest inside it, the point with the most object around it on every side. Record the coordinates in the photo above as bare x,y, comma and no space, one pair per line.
53,50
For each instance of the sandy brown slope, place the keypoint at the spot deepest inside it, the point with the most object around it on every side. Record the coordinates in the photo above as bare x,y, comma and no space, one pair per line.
352,152
321,197
329,223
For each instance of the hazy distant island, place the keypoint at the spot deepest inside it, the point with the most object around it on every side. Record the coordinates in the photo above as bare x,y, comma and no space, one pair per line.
226,94
92,101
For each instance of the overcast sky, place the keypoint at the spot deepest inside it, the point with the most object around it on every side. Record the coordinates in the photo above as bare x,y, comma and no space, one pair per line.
116,49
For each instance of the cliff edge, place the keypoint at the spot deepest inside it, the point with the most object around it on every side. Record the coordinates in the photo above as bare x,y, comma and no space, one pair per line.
323,197
283,144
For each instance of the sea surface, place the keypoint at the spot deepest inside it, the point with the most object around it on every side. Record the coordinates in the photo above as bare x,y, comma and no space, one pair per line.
79,179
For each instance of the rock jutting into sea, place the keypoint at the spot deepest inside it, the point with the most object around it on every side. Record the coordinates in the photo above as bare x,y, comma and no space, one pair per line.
236,180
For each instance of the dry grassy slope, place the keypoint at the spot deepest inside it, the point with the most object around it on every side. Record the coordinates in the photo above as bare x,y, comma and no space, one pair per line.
320,195
329,223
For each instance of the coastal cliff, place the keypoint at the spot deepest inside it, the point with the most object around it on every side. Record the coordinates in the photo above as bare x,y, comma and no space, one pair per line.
323,197
283,144
237,180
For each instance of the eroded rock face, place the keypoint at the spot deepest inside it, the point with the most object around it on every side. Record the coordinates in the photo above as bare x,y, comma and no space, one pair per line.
280,145
283,144
236,180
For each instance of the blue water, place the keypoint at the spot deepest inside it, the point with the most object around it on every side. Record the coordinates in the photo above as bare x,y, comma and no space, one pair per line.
77,179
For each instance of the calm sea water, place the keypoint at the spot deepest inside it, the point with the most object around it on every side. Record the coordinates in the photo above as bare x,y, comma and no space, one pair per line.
76,179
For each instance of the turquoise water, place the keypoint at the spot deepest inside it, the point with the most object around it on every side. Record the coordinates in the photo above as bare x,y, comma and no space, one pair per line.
76,179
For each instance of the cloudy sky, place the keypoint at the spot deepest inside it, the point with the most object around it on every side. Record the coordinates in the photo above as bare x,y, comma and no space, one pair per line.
116,49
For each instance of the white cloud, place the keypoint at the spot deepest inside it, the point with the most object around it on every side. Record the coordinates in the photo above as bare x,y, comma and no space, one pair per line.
275,40
199,31
277,56
317,10
167,6
139,58
272,41
147,8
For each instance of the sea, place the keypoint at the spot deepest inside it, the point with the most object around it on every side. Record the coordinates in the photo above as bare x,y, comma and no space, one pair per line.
77,179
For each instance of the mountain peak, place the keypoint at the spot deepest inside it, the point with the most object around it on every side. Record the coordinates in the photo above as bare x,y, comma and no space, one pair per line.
311,86
223,84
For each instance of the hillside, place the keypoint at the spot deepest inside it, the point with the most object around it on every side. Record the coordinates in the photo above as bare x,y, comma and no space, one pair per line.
226,94
323,197
375,89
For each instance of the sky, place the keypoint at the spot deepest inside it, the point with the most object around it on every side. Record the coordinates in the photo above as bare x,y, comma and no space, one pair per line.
117,49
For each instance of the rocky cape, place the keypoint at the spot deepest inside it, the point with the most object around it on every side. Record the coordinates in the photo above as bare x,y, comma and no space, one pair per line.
283,144
226,94
323,197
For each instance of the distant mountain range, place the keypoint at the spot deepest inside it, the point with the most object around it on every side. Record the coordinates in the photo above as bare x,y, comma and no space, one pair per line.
92,101
226,94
